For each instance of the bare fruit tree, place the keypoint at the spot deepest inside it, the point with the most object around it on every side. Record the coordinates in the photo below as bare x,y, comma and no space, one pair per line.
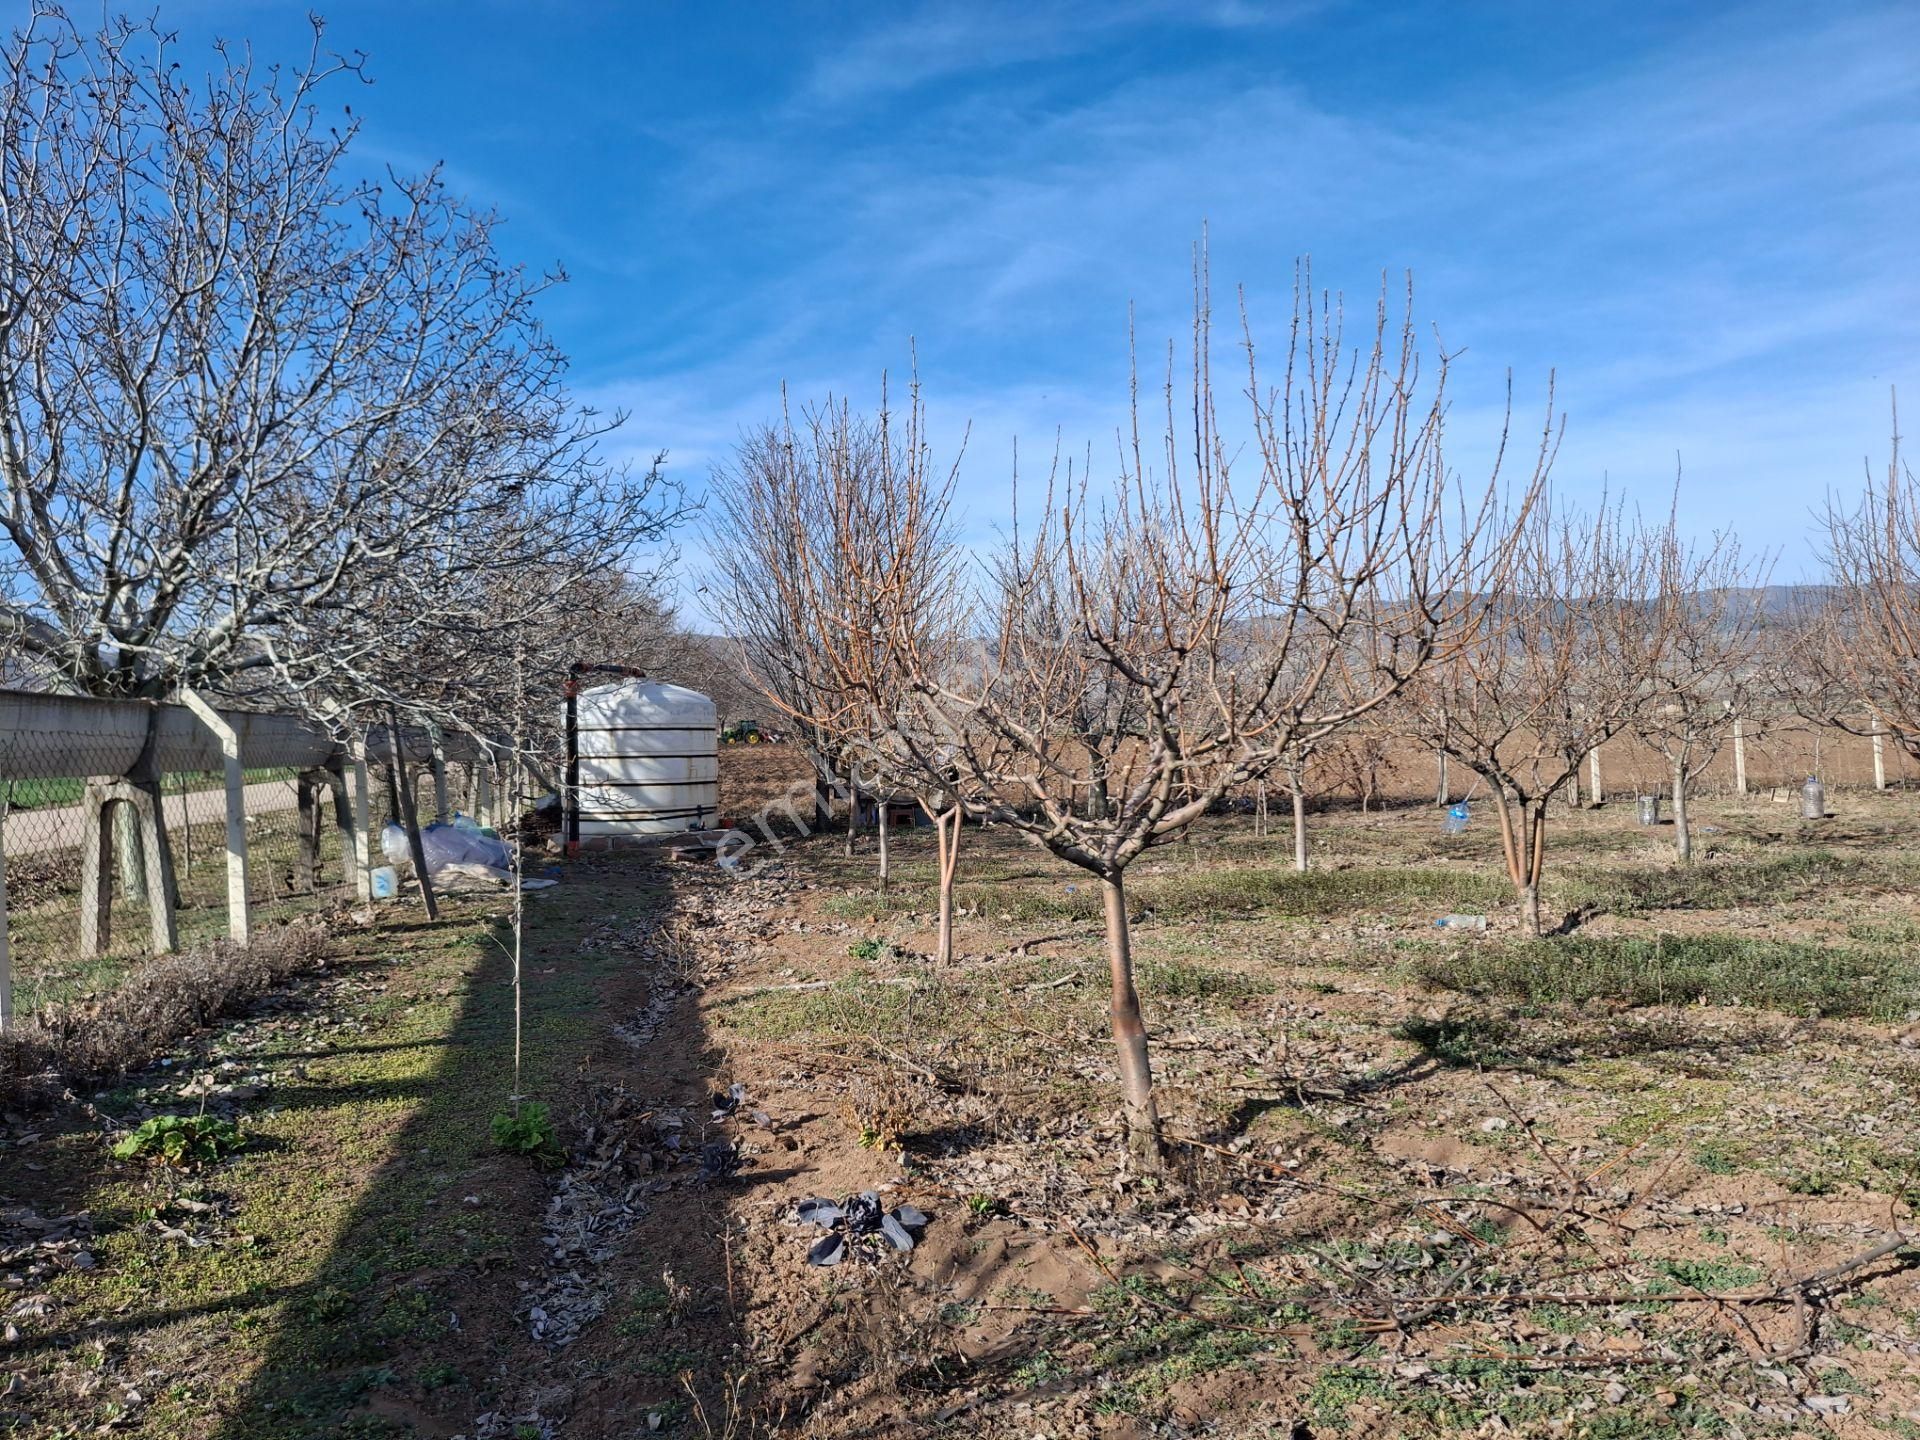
1550,667
1710,621
833,534
1241,614
770,520
1860,666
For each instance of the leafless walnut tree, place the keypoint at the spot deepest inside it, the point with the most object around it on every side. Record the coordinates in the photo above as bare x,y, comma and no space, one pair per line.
1241,610
269,430
258,416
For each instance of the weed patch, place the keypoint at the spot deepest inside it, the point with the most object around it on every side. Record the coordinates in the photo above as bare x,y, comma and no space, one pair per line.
181,1141
527,1130
1467,1038
848,1009
1716,969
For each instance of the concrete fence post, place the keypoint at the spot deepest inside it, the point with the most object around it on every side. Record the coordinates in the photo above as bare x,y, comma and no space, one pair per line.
131,850
237,916
483,810
163,927
1879,758
438,762
1739,757
6,953
116,807
1598,790
359,846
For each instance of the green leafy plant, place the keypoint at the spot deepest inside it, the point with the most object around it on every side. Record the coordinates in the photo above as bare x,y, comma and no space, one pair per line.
868,950
528,1130
182,1141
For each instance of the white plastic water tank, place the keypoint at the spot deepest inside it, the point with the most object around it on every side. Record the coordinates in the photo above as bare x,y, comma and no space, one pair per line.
649,759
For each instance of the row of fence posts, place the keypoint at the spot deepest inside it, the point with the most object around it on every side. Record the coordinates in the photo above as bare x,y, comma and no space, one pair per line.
123,815
1596,780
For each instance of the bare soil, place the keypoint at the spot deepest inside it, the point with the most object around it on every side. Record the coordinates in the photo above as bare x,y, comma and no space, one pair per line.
1408,1191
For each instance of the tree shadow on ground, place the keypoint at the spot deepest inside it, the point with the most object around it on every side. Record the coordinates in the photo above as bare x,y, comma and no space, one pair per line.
399,1256
421,1317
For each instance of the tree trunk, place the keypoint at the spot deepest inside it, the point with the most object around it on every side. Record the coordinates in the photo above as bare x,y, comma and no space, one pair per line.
1299,827
1099,799
1443,791
1530,909
1535,816
1130,1034
883,847
1682,833
946,829
410,819
1523,829
853,815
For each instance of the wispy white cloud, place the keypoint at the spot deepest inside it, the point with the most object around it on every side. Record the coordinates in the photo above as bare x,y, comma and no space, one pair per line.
1710,245
929,42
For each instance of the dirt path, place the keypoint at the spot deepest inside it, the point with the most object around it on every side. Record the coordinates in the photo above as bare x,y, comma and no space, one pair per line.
33,832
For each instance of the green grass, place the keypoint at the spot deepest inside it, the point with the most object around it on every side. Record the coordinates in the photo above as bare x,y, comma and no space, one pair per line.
353,1195
1183,980
1707,1275
57,792
43,916
854,1008
1719,969
1467,1039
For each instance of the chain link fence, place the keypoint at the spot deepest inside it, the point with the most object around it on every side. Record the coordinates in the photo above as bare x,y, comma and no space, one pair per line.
115,851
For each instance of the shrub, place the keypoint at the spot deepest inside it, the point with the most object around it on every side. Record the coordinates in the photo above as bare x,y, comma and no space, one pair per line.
167,997
181,1141
528,1130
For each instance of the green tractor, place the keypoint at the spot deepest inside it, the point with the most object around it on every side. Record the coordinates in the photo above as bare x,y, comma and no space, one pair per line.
742,732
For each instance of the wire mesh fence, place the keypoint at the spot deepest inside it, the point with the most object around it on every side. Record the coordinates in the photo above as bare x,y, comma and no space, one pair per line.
118,846
67,943
299,863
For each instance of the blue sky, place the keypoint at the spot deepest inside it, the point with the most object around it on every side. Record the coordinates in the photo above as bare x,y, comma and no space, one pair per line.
1703,218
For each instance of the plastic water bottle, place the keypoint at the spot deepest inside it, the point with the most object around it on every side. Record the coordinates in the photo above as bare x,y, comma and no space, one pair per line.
1457,817
1462,922
1649,809
1813,800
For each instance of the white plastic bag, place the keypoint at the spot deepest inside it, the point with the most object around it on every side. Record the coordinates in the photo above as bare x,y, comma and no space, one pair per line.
455,845
393,844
